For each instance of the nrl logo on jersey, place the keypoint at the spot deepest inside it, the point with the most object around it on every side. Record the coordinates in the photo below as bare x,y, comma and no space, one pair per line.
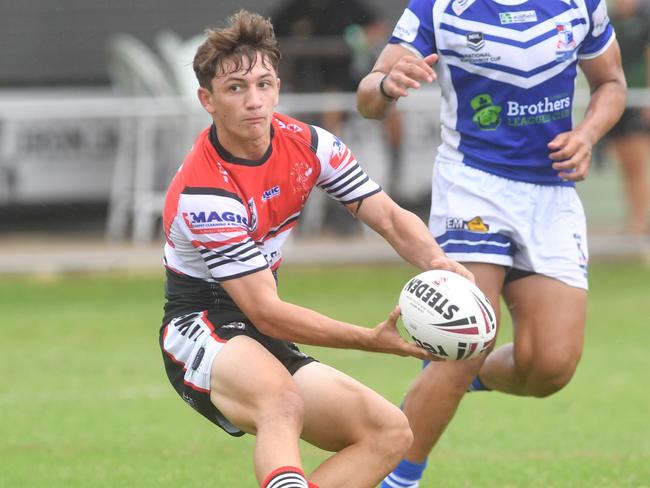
475,40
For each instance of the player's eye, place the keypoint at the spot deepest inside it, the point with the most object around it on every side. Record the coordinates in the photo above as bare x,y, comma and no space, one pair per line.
234,88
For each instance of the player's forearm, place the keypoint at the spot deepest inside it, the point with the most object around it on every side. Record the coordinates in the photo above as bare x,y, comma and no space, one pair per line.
290,322
605,108
371,103
256,295
411,239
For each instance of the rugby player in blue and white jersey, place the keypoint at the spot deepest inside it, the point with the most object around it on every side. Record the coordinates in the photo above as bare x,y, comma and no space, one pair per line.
504,201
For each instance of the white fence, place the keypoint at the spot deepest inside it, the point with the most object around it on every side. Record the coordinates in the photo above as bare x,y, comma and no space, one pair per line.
96,147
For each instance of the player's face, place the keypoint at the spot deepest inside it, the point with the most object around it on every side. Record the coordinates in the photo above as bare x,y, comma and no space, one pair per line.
242,105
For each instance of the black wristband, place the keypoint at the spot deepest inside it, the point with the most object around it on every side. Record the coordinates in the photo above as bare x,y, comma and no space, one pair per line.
383,92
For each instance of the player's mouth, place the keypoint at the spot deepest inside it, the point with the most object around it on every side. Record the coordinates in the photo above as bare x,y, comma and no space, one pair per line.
255,120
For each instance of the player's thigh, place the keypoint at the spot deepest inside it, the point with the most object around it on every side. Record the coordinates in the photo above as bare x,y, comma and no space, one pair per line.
339,410
489,278
248,383
549,318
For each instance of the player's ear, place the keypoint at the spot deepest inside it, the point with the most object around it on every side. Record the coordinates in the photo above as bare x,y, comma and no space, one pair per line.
205,97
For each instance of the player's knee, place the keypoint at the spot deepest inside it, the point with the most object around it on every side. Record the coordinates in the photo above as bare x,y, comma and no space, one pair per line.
285,407
546,381
394,437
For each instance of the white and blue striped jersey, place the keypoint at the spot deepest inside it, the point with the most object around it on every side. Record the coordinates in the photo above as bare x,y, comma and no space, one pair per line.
507,71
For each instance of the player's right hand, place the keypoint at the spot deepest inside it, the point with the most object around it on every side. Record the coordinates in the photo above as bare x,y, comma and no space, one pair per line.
409,72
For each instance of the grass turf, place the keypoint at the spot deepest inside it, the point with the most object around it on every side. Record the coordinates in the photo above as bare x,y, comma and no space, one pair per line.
84,400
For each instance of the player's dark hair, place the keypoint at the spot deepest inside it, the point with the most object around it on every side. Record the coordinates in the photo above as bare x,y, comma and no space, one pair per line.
235,47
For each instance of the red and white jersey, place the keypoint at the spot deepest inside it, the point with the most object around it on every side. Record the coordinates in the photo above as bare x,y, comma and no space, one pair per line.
226,217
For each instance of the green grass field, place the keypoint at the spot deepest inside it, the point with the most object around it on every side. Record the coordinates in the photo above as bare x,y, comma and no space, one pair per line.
84,401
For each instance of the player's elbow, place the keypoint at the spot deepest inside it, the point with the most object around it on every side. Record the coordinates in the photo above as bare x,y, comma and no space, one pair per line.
263,322
267,317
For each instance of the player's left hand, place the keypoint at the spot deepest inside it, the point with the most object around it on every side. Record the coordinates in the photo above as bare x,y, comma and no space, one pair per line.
386,338
571,152
443,262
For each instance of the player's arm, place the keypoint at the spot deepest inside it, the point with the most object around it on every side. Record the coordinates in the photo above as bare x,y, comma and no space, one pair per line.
396,71
405,232
572,150
256,295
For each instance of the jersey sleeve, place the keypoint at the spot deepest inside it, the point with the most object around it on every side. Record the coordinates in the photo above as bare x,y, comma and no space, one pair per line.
216,224
601,33
341,176
415,27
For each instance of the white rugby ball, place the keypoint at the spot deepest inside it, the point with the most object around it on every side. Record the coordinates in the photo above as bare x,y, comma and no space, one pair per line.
448,315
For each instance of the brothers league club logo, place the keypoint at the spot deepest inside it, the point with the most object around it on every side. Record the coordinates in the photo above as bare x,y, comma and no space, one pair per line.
487,116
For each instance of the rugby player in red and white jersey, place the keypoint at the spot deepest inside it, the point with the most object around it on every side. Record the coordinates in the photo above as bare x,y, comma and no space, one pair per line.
227,337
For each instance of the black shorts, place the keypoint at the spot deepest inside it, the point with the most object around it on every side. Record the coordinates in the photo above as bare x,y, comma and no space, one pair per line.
631,122
189,344
513,274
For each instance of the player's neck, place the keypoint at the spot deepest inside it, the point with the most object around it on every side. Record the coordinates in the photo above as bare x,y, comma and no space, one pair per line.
252,150
242,148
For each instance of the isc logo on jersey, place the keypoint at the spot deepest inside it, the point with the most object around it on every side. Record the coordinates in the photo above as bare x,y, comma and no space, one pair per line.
205,222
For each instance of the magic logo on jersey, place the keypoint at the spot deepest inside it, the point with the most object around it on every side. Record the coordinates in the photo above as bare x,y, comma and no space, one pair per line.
209,221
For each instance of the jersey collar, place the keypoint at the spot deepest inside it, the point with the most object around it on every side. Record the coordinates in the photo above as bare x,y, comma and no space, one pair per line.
229,158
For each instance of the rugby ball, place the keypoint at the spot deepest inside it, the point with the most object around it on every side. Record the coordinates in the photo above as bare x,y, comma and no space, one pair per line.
448,315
